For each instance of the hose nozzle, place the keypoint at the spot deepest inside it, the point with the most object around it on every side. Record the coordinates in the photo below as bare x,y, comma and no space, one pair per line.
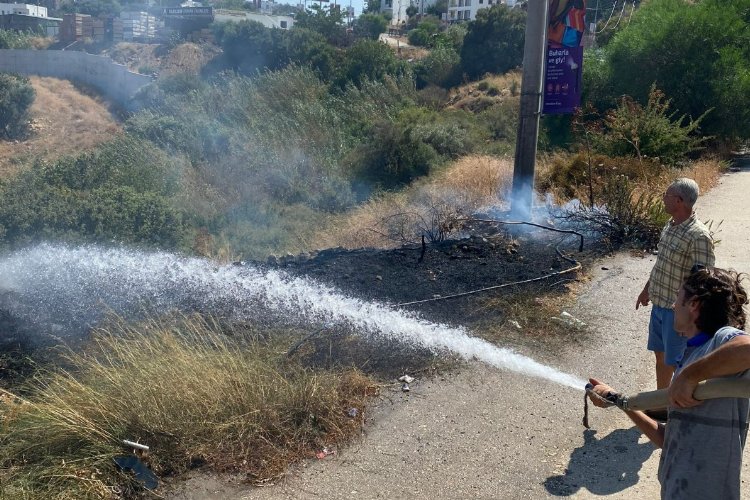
612,398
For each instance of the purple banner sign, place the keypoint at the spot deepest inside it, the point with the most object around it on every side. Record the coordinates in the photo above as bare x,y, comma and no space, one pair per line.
562,80
564,64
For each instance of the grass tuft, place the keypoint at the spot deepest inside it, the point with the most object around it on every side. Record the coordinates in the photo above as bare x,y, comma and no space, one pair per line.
192,393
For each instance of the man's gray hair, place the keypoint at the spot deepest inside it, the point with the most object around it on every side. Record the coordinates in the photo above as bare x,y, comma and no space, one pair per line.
687,189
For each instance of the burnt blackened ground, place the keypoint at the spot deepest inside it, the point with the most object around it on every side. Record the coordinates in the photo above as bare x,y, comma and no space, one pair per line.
486,259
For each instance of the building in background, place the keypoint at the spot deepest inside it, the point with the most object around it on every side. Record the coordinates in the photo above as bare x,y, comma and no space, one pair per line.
397,9
129,26
280,22
27,17
189,22
466,10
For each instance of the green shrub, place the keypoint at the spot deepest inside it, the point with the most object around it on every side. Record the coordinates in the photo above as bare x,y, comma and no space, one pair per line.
394,157
426,32
370,25
447,138
11,39
648,131
698,53
442,68
369,60
16,97
623,216
502,120
120,192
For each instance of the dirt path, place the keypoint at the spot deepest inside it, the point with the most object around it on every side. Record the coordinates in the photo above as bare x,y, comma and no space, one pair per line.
491,434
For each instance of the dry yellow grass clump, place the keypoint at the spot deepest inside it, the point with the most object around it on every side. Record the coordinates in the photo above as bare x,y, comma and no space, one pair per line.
390,219
186,389
64,121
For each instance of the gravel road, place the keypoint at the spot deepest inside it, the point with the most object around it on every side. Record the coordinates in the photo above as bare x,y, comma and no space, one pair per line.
485,433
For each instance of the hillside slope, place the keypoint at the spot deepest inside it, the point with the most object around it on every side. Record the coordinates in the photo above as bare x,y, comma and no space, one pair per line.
64,121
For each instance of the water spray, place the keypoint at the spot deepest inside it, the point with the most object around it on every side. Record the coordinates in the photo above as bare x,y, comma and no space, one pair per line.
66,288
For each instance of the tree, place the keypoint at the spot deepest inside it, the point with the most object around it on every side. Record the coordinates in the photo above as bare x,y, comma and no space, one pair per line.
437,9
308,48
494,41
248,46
369,60
16,97
373,6
329,23
698,53
425,33
93,7
442,67
370,25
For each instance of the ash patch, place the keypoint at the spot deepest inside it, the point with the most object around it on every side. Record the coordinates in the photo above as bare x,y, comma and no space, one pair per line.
446,268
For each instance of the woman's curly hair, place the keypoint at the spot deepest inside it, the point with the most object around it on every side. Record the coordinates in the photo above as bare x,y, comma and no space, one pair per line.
721,297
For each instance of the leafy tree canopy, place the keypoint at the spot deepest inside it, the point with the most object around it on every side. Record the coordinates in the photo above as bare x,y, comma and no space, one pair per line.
438,8
494,41
698,53
93,7
370,25
327,22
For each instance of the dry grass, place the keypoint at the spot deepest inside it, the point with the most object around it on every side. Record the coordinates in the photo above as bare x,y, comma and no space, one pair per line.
184,58
64,121
466,185
393,218
565,175
492,89
186,389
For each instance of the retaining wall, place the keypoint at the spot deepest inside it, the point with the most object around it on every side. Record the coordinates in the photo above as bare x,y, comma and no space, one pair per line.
111,79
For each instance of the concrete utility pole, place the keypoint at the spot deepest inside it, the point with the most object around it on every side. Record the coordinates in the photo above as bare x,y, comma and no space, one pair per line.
534,49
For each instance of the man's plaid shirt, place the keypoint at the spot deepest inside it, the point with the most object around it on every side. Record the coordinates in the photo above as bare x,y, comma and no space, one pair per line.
680,247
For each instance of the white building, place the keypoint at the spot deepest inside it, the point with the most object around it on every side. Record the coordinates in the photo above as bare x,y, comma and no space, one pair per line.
280,22
397,9
22,9
466,10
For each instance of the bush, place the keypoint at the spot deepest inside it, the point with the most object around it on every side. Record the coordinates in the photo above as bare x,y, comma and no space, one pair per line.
121,192
370,25
16,97
622,215
11,39
394,157
448,139
442,68
425,34
651,131
502,120
369,60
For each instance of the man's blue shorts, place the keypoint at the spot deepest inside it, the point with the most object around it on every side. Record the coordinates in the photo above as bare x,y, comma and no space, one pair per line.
662,337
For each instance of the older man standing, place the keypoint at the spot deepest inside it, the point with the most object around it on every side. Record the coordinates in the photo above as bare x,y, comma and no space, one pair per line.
685,242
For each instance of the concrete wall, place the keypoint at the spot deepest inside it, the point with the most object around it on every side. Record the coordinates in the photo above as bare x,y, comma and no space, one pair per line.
113,80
